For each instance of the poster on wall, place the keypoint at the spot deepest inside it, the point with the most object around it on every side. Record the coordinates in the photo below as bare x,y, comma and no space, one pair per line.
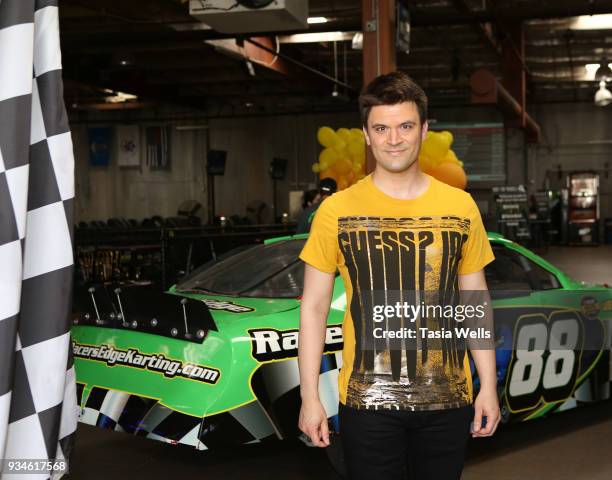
99,146
158,148
128,146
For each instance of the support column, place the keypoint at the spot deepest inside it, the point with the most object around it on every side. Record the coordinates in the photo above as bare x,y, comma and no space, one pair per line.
514,77
378,22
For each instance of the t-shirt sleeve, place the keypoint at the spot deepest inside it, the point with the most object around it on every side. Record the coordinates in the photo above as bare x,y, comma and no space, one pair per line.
321,249
476,252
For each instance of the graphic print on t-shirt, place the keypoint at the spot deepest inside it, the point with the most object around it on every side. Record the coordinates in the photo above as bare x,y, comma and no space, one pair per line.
418,257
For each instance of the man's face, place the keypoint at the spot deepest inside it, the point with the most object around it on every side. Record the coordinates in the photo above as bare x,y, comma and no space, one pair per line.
395,133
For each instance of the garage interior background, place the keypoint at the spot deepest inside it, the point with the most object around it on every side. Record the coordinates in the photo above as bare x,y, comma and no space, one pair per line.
147,64
156,51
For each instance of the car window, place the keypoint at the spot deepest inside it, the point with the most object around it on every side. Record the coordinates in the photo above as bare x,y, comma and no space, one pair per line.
272,270
542,278
513,271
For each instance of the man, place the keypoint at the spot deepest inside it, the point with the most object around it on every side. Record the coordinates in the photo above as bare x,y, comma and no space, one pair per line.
327,187
405,404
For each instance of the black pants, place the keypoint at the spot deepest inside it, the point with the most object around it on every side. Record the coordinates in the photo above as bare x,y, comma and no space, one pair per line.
389,445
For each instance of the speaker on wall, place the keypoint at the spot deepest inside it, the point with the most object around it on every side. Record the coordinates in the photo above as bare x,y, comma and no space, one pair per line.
215,162
278,168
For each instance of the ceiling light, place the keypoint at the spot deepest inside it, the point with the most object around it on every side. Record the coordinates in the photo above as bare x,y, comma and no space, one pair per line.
316,37
592,22
603,96
119,97
313,20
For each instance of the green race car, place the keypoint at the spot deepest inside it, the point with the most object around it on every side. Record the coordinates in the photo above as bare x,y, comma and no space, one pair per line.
213,362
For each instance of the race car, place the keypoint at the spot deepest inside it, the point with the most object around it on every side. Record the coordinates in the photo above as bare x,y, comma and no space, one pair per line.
213,361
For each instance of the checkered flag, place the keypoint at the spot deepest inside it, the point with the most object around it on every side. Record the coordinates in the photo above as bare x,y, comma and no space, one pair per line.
38,410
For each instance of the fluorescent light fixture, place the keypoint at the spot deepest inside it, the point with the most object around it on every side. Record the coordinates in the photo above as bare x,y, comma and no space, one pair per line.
316,37
119,97
313,20
592,22
189,26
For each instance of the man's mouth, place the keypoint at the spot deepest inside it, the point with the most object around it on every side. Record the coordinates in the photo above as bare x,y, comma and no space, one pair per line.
395,153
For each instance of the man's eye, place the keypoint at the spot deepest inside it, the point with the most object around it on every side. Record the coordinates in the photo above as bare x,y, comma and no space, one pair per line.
380,129
406,126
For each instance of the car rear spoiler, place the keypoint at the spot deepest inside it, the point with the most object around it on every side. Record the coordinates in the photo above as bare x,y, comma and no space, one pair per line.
143,309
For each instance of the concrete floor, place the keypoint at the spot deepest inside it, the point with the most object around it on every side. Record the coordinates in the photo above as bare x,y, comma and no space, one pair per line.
573,445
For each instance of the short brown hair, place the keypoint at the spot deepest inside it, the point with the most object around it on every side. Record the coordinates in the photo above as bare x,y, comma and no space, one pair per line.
391,89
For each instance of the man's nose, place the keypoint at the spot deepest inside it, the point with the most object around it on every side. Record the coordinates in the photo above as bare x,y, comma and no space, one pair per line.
394,136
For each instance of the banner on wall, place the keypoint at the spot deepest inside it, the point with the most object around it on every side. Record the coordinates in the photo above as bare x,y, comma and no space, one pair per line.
99,146
158,148
128,146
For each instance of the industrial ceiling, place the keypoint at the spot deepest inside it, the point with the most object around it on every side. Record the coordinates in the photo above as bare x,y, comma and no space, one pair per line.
155,50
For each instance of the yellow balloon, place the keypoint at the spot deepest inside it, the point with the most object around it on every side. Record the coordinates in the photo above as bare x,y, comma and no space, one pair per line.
448,136
343,166
327,137
356,148
435,146
451,174
450,157
425,163
326,173
342,183
339,145
344,134
328,156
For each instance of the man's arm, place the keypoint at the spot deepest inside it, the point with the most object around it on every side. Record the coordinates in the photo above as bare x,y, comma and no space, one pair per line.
486,403
318,287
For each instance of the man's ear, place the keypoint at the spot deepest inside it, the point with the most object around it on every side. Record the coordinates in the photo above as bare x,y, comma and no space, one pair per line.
424,130
365,132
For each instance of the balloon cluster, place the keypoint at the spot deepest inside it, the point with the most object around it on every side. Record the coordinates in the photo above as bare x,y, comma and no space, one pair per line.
343,157
344,153
438,160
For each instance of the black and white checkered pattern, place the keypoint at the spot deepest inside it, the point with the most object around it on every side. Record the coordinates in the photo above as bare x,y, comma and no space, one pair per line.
145,417
38,408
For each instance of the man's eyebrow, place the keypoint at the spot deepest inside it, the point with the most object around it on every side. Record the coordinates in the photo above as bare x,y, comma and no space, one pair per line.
407,122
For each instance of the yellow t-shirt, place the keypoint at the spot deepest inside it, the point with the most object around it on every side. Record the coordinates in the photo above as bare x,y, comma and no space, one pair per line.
380,243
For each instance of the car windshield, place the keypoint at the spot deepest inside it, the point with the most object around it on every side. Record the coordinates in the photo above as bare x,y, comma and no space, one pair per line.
269,271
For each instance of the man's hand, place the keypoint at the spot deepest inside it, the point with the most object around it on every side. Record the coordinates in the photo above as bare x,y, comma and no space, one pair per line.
313,422
486,405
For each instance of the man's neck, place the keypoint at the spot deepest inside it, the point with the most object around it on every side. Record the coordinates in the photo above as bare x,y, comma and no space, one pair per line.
406,185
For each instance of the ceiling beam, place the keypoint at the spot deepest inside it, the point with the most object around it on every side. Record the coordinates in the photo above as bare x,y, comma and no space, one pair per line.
535,10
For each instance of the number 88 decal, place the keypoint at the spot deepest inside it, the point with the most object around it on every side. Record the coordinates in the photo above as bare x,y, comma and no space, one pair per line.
546,359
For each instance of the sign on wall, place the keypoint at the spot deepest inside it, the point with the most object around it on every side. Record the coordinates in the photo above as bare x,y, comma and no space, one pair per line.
128,146
99,146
